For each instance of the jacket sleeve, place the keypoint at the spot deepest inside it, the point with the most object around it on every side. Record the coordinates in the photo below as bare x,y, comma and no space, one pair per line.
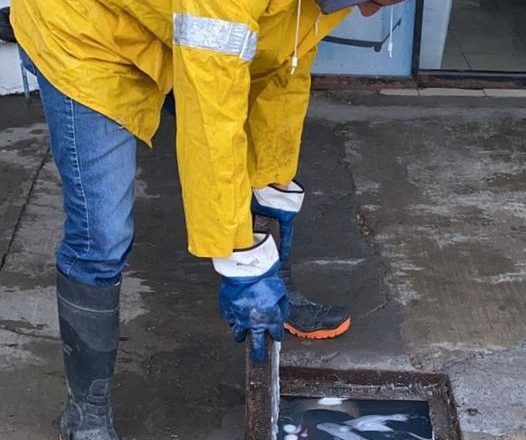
213,45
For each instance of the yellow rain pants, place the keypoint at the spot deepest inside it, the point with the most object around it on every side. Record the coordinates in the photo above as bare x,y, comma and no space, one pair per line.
240,111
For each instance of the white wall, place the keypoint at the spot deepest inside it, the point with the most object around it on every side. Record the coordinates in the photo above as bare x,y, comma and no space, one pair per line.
10,77
435,26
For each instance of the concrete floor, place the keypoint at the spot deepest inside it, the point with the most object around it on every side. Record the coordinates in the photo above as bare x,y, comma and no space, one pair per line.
415,220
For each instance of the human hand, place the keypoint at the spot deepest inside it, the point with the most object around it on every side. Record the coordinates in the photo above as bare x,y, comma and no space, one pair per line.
252,296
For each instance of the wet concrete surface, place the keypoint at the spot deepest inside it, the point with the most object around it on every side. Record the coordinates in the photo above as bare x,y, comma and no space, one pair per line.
19,167
414,220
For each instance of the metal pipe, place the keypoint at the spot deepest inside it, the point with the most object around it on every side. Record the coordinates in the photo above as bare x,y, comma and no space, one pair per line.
262,379
262,394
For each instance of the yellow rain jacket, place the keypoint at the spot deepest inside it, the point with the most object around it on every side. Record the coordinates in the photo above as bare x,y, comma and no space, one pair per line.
240,110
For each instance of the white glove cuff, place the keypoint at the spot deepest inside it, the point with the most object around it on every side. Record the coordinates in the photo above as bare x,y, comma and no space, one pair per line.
251,262
289,199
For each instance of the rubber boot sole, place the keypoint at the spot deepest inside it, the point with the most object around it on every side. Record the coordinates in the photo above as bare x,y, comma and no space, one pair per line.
320,334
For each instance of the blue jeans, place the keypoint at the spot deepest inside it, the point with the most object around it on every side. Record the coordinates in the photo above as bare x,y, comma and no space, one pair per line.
96,160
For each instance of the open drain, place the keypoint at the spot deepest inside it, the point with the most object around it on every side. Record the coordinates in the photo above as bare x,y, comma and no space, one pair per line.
320,404
346,419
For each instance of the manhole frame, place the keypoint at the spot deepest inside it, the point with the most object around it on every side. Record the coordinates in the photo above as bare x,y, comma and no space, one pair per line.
362,384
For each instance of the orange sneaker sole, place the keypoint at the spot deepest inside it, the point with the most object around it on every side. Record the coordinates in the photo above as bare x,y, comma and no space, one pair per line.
320,334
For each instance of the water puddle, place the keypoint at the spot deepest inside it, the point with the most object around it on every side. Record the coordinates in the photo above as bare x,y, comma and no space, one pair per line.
339,419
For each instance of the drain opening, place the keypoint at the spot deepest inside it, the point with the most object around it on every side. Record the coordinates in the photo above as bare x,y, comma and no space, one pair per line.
347,419
320,404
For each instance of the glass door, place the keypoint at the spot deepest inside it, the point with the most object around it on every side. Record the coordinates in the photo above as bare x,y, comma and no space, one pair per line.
474,36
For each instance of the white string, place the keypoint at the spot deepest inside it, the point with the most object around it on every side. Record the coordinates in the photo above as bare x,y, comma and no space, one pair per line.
317,24
296,40
390,46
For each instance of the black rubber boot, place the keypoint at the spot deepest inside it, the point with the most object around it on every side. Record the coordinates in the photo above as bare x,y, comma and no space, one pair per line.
308,319
89,325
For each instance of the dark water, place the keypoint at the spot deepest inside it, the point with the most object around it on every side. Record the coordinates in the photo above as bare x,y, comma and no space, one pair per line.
330,419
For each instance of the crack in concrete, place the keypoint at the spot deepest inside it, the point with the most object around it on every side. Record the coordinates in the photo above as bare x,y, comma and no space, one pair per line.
366,231
133,354
18,331
374,310
45,159
388,299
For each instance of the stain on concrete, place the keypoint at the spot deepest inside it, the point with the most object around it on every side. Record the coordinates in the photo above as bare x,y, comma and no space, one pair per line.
329,230
141,187
13,350
448,210
30,260
457,240
22,155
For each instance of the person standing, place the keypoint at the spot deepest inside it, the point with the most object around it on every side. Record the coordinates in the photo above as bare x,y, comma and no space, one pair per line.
240,74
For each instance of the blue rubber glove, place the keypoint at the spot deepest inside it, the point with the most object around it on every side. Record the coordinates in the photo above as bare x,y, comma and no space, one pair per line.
281,204
252,296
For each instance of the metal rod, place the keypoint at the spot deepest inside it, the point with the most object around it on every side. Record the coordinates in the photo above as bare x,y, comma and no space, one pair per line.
262,379
262,389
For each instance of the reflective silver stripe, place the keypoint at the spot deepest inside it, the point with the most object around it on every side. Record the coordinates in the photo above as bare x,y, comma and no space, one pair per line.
217,35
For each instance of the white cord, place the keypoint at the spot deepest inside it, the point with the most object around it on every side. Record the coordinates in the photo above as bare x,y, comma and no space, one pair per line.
390,46
295,60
